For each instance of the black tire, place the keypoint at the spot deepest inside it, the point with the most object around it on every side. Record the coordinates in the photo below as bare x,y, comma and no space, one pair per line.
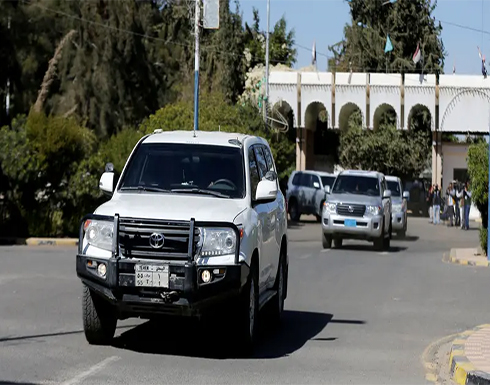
386,243
379,242
99,319
319,217
277,304
337,242
294,211
248,314
326,241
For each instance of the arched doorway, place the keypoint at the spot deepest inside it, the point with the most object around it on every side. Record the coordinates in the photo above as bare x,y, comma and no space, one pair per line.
350,116
384,116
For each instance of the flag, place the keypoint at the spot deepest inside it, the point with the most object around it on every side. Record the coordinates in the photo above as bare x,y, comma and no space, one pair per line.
483,68
388,46
313,54
417,56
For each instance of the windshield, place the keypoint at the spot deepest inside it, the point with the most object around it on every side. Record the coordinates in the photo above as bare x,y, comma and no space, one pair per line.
394,186
328,180
355,184
186,168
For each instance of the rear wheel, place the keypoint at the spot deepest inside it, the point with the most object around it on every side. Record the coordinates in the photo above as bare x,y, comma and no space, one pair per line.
277,304
99,319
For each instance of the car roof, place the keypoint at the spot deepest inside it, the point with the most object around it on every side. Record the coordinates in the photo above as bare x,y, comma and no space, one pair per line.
372,174
392,178
219,138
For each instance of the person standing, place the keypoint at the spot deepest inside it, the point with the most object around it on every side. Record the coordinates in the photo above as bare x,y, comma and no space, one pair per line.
460,201
429,203
467,205
450,196
436,205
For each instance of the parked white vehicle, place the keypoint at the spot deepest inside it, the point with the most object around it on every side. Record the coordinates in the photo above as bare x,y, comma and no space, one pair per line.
357,207
399,219
196,220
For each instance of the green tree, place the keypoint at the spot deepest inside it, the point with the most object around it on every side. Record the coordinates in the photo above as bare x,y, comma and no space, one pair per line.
407,23
388,150
281,43
478,173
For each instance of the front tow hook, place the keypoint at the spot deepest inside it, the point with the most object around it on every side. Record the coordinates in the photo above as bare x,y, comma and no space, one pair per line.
169,297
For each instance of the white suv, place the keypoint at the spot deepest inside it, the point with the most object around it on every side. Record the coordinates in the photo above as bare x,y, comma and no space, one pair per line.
196,220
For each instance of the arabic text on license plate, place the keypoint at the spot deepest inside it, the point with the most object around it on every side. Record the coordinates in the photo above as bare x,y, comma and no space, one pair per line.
147,275
350,223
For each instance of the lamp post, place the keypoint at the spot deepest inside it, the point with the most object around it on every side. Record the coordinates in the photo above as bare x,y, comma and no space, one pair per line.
267,60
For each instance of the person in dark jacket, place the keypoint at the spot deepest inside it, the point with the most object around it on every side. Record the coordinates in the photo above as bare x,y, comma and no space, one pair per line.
436,205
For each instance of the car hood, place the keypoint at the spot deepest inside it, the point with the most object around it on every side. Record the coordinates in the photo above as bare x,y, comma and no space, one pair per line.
173,207
354,198
396,200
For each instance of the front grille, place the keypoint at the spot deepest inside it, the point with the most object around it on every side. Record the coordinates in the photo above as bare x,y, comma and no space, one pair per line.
134,238
351,210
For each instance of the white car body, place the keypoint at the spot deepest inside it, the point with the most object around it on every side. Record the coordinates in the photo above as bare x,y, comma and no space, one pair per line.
260,219
399,200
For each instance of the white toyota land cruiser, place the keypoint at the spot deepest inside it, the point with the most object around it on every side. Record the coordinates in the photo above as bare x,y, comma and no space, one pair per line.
196,220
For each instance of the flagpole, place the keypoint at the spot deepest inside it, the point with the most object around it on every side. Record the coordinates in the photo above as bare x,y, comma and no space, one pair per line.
267,61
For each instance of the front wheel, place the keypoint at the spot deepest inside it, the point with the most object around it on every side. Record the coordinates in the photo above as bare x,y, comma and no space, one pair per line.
99,319
247,314
326,241
294,211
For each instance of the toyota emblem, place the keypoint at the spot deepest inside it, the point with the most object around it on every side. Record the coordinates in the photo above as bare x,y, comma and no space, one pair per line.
157,240
351,209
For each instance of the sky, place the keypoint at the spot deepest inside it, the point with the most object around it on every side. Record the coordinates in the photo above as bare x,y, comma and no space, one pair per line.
323,21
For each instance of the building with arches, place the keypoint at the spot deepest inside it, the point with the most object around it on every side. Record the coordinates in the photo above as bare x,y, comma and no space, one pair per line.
456,104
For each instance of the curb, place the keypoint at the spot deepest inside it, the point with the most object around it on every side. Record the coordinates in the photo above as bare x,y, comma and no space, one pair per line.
451,257
462,371
40,241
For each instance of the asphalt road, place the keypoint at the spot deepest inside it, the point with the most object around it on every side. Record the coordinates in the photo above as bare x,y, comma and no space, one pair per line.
353,315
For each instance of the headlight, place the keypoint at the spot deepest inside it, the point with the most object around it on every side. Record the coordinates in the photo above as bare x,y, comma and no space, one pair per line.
217,241
99,233
330,207
373,210
397,208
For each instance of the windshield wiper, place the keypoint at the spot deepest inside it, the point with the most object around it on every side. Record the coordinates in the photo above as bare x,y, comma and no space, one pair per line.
200,191
144,188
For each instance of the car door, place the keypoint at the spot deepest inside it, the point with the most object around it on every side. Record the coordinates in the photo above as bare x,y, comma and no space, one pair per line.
278,222
260,210
306,193
318,194
386,203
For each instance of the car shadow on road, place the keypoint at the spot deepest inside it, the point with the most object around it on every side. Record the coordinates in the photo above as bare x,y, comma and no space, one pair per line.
17,383
361,247
205,340
405,238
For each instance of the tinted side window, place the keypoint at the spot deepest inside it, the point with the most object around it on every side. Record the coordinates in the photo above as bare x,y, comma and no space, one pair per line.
262,163
296,179
305,180
254,172
268,158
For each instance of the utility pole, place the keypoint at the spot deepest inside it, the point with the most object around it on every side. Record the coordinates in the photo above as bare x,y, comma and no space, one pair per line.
196,65
7,98
267,60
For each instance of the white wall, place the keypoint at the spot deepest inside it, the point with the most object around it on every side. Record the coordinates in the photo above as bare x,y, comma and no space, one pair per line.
454,156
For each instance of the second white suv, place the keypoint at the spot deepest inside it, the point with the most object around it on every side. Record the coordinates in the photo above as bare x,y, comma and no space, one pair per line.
196,221
358,207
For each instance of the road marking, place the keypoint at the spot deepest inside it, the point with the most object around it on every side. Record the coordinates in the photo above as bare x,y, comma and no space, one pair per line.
305,256
384,253
94,369
325,251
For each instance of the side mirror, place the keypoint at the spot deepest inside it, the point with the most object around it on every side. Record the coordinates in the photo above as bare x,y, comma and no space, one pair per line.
266,190
387,194
316,185
327,189
106,183
406,195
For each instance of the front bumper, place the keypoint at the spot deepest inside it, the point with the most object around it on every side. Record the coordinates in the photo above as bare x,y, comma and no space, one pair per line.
398,220
185,295
150,284
366,228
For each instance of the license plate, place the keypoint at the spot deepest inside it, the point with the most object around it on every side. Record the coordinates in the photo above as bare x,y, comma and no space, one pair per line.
350,223
148,275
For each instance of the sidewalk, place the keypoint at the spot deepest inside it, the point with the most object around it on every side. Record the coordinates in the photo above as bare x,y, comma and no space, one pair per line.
469,256
470,357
